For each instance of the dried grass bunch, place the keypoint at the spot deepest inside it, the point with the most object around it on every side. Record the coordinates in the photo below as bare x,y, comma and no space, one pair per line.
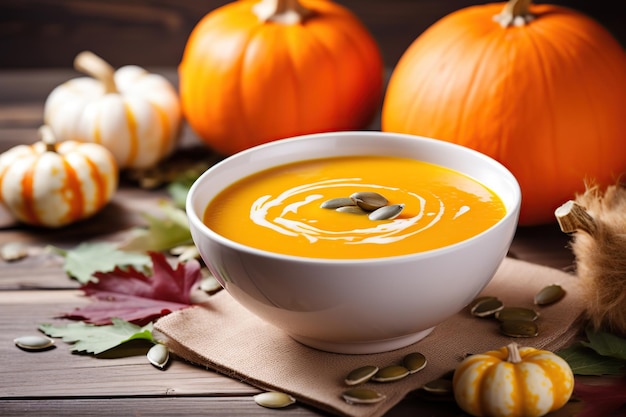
598,222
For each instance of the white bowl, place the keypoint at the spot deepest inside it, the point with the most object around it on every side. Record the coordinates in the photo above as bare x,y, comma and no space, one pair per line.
355,306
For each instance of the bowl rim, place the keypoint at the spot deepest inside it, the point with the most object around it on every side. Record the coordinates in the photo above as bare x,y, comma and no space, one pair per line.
193,217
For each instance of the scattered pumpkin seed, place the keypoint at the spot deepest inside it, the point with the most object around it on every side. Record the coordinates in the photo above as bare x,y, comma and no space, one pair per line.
185,252
360,375
210,284
13,251
517,313
481,299
274,399
369,201
362,396
519,328
386,212
414,362
549,295
335,203
486,307
158,355
36,342
351,210
390,373
438,386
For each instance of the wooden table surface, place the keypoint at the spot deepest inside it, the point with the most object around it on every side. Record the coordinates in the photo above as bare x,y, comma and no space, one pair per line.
35,289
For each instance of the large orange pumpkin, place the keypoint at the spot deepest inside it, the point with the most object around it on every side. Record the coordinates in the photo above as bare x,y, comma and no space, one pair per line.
255,71
540,88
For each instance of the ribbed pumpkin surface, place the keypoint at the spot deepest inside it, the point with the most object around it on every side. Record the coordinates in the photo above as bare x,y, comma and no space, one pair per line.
244,81
546,98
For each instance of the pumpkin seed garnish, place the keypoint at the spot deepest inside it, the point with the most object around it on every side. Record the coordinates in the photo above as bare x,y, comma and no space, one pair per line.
158,355
438,386
386,212
486,307
360,375
414,362
274,399
549,295
368,200
362,396
517,313
33,343
390,373
519,328
351,210
335,203
365,202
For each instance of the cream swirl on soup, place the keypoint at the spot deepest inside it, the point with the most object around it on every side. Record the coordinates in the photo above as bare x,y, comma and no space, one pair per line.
282,214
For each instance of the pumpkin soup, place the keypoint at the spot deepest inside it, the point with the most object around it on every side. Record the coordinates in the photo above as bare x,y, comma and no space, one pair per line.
285,209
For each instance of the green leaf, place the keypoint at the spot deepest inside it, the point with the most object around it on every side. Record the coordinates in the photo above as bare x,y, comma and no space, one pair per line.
88,258
606,344
586,361
178,191
179,188
97,339
163,232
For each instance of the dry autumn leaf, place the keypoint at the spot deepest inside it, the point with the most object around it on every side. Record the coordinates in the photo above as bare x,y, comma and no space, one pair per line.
135,297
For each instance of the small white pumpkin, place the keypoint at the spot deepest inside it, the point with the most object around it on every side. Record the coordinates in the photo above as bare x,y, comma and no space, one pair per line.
133,113
54,184
513,381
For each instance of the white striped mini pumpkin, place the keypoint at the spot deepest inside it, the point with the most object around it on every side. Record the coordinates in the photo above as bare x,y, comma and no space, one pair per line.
54,184
513,382
132,112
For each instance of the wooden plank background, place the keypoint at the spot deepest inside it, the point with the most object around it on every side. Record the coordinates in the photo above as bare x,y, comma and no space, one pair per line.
49,33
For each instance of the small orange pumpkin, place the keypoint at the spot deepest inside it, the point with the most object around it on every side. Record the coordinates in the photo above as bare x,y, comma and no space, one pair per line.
255,71
54,184
541,88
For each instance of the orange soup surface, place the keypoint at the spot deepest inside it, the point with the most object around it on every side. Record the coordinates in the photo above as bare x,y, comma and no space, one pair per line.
278,210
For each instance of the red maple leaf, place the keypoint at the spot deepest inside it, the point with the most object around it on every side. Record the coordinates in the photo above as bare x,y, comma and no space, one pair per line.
132,296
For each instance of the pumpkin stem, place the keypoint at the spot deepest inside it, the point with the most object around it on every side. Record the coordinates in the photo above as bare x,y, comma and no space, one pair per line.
47,137
91,64
515,13
288,12
572,217
514,355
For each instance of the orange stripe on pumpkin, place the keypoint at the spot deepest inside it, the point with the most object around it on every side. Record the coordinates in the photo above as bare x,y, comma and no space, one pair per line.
74,194
28,199
100,183
97,136
165,131
133,146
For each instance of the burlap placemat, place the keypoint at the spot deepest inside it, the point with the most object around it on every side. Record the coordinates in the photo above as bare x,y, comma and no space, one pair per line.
223,336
